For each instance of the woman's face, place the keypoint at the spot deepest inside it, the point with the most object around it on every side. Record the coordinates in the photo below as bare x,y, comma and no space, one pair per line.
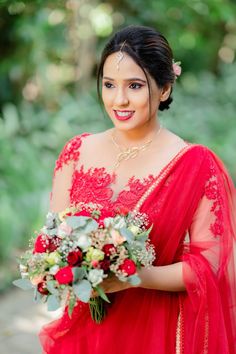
125,94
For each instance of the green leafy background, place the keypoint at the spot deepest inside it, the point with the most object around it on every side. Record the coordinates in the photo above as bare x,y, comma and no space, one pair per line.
49,55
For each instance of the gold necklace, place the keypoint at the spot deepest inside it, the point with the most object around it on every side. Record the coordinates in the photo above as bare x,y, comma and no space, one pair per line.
130,152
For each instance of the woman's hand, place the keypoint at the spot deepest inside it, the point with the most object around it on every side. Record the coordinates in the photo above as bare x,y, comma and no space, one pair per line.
112,284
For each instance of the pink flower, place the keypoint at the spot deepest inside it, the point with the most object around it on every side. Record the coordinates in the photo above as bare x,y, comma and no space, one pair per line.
94,263
64,229
117,238
37,279
177,69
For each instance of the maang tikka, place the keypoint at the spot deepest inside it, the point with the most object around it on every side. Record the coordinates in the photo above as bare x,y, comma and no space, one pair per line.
120,56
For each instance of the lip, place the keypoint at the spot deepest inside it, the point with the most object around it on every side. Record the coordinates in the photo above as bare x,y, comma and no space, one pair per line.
123,118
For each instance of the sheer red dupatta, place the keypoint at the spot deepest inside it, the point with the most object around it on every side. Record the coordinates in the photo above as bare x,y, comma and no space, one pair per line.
197,198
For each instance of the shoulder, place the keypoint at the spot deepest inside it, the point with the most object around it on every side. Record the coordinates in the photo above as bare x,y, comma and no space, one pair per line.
71,151
202,153
207,162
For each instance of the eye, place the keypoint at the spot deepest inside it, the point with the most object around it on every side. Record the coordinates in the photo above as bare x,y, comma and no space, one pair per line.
135,85
107,84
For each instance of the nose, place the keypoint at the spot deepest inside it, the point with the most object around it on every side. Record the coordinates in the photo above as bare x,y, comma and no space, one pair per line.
121,98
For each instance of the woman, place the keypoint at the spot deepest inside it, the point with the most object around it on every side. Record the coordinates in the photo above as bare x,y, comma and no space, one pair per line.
186,300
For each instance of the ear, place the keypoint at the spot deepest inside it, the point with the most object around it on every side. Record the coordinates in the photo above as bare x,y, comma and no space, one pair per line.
165,92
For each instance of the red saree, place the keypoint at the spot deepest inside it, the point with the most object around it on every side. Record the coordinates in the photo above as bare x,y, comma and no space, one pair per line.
192,206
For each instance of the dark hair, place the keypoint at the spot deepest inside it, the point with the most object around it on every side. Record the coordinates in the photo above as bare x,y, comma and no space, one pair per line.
149,49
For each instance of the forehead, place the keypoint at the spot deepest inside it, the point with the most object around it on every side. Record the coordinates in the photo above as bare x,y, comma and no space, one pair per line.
127,67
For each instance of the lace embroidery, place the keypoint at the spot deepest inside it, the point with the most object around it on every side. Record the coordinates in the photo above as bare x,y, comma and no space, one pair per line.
70,152
91,186
180,331
213,193
94,185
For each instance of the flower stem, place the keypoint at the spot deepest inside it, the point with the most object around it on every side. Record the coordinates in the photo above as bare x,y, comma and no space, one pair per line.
97,309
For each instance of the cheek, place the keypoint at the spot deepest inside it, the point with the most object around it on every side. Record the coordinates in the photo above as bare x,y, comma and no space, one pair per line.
141,102
106,97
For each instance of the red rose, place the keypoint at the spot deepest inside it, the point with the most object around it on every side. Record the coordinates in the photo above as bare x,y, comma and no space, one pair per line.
64,275
41,244
42,289
128,267
74,257
54,243
109,249
105,265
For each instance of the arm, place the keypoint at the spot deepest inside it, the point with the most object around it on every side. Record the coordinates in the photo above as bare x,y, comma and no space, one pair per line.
63,172
167,278
171,277
60,196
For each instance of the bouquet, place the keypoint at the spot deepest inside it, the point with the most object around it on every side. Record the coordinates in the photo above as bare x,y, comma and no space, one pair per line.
77,249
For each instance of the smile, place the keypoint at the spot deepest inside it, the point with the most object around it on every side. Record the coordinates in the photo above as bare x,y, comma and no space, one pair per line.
123,115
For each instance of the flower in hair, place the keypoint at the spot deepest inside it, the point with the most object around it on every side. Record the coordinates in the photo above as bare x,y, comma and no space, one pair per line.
177,68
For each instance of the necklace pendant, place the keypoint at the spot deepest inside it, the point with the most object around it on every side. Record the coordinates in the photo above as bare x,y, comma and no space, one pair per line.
132,152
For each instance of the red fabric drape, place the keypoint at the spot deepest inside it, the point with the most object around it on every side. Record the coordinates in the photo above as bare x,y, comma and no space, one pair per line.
194,197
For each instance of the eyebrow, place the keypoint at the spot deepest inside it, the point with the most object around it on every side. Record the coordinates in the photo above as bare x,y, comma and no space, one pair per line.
130,79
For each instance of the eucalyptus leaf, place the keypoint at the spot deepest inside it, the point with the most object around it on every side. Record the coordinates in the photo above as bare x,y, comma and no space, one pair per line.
71,306
52,232
143,236
77,221
83,290
24,284
122,278
91,225
127,234
53,303
134,280
78,273
51,287
102,294
138,245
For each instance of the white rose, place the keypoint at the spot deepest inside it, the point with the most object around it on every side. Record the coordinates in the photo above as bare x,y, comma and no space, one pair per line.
95,276
84,242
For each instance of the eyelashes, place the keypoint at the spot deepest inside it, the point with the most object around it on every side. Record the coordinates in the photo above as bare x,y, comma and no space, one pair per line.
107,84
133,85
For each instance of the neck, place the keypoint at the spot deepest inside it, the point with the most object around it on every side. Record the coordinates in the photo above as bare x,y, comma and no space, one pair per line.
138,135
